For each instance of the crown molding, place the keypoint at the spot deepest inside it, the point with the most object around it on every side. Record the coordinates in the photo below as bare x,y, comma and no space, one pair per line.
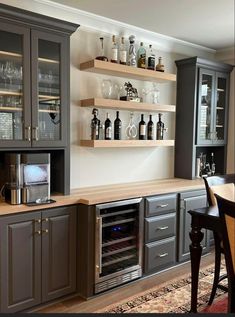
226,55
99,24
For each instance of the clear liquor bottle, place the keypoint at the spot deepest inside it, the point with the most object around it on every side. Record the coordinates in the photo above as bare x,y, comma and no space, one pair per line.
114,51
150,129
151,58
122,52
132,52
141,56
142,128
101,55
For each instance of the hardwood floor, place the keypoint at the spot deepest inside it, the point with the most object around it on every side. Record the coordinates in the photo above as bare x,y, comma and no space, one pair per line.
79,305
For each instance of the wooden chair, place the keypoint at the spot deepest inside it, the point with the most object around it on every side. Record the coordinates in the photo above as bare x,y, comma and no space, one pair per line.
227,216
222,185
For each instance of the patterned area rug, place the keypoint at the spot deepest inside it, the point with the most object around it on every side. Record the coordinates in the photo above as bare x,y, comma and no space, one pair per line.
171,298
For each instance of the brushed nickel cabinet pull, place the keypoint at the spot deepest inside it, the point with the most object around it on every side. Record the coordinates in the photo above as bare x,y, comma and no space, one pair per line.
38,232
38,220
35,134
162,228
162,255
162,206
28,133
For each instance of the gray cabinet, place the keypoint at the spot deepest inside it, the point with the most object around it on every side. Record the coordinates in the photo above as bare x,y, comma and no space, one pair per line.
160,232
188,201
34,87
201,114
38,257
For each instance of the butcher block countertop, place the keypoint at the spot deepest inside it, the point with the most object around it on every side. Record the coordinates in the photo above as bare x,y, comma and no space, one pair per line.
108,193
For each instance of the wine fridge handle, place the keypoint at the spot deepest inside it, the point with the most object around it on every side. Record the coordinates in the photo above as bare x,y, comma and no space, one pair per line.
99,223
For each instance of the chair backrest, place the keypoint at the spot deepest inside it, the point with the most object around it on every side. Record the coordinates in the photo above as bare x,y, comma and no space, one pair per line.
227,216
222,185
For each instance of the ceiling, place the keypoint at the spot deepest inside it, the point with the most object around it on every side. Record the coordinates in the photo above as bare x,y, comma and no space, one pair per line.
209,23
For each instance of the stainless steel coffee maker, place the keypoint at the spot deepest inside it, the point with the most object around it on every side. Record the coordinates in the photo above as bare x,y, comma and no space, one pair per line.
12,188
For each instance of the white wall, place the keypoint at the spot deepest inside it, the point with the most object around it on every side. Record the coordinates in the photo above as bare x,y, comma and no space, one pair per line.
91,167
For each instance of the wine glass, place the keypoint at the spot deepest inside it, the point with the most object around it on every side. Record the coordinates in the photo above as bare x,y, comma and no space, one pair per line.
106,88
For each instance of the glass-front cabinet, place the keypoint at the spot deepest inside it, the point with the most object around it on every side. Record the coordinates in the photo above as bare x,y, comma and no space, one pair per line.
212,107
33,108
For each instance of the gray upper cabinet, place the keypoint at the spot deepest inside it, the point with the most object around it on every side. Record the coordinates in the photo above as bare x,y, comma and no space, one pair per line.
34,79
201,114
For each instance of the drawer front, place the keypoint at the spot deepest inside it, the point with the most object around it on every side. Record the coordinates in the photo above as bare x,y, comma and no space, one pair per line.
160,204
159,255
160,227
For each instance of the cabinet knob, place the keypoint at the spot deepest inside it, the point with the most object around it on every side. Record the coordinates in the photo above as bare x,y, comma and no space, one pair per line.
45,231
38,232
45,219
38,220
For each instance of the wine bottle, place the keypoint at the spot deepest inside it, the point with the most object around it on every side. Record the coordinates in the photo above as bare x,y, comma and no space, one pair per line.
142,128
117,127
151,58
160,128
150,128
132,52
212,164
141,56
114,55
95,125
108,128
122,52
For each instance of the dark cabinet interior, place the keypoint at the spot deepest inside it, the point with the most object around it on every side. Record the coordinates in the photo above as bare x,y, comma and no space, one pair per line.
38,257
201,116
34,87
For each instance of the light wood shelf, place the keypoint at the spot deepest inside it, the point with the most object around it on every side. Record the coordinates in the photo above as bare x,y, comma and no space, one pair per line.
126,143
126,105
48,111
10,54
11,109
119,70
10,93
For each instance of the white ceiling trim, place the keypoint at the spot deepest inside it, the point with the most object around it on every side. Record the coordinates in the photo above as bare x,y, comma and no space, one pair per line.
96,23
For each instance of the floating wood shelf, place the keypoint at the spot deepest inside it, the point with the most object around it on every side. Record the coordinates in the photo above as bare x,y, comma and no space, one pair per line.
10,109
10,93
40,59
10,54
126,105
119,70
125,143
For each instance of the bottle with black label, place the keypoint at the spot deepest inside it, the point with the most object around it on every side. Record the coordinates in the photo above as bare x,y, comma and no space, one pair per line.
108,128
160,128
117,128
142,128
95,125
151,58
150,128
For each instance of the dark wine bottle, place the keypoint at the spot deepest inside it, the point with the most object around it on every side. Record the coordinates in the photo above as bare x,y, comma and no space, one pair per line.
108,128
212,164
117,128
150,128
160,128
95,125
142,128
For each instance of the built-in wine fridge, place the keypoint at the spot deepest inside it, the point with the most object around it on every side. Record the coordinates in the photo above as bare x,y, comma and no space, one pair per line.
119,243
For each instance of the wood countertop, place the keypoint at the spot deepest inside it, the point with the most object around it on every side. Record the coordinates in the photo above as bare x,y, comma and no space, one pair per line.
108,193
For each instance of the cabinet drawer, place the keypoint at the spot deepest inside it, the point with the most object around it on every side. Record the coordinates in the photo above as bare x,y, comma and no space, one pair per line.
160,204
159,255
160,227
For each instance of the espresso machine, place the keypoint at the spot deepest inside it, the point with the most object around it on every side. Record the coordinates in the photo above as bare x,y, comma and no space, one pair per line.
27,178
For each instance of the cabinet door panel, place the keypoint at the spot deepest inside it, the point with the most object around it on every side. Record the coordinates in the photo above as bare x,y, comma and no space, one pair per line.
15,105
20,262
58,252
185,225
50,78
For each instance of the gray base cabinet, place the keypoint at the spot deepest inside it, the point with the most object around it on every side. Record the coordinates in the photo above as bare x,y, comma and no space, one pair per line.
37,257
160,232
188,201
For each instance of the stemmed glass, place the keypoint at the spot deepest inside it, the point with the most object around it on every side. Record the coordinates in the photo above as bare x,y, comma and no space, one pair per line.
3,73
10,71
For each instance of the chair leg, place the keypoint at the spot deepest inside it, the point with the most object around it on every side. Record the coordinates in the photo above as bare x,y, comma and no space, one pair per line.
217,268
231,296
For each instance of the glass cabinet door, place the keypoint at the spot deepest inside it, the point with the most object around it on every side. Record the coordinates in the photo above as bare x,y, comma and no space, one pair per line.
49,89
205,107
220,108
14,86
